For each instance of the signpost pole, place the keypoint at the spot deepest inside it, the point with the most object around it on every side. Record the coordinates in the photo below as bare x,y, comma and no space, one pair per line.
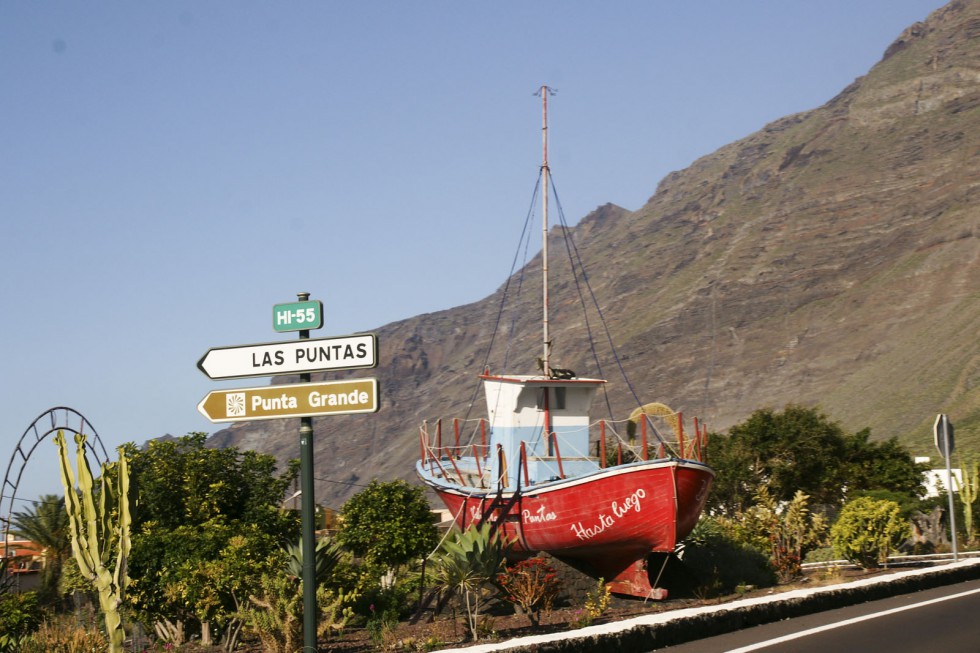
303,400
949,479
308,516
942,433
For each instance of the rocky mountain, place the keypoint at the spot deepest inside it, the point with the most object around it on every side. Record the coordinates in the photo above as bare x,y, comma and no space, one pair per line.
830,259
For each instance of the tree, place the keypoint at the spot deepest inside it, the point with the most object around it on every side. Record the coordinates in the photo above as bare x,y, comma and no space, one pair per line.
46,524
205,522
800,449
737,476
388,523
885,465
182,481
20,616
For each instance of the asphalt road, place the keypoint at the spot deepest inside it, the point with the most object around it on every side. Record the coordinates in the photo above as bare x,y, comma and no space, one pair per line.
941,619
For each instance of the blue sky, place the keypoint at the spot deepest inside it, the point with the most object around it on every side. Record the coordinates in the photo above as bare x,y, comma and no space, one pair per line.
170,170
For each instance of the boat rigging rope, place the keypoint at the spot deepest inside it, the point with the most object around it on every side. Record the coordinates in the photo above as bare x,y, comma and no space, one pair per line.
573,259
462,506
576,262
524,240
580,278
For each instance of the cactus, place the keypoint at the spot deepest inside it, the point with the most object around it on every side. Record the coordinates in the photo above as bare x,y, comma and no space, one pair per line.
98,530
968,495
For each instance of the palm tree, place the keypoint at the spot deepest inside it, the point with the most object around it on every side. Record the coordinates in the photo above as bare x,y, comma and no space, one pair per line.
46,524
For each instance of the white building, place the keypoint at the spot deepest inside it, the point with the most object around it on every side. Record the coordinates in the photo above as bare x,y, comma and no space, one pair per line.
937,482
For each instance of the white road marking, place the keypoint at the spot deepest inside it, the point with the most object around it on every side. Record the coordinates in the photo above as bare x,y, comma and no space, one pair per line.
819,629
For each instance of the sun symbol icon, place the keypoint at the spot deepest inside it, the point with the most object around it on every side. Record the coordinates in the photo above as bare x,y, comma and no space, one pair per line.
235,404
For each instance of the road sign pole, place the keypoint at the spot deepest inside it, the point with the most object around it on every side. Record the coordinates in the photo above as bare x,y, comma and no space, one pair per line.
308,516
303,400
949,479
942,434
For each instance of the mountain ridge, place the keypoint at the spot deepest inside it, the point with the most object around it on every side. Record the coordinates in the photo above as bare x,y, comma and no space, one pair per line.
832,258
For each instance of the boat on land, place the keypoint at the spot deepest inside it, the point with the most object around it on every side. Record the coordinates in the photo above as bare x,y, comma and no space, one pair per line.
601,496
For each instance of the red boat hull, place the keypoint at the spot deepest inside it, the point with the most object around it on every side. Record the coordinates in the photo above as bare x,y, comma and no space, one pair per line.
604,523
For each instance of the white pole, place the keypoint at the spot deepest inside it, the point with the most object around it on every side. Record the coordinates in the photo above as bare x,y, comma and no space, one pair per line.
949,482
544,231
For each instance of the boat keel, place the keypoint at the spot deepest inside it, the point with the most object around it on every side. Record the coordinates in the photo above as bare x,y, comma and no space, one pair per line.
626,575
634,580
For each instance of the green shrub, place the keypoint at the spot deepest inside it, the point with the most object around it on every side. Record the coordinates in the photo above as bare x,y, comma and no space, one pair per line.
868,530
19,617
387,590
823,554
720,563
597,599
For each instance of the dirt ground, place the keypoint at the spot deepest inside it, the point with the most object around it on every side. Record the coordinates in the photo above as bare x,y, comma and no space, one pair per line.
449,631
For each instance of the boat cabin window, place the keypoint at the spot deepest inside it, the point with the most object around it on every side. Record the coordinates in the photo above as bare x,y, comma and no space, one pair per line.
557,399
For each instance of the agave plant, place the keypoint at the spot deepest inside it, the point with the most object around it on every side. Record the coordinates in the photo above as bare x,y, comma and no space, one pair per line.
468,566
325,558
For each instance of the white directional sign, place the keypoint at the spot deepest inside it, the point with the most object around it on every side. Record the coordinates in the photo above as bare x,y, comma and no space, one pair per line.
293,357
297,400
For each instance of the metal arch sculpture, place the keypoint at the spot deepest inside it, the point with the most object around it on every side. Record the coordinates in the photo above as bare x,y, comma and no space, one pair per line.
61,418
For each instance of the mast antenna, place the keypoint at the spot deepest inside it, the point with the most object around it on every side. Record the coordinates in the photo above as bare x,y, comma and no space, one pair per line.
544,92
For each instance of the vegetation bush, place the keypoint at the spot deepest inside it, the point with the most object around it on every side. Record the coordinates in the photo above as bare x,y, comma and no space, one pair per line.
395,596
785,531
801,449
907,503
720,563
823,554
205,524
597,600
388,523
274,613
63,635
532,585
19,617
467,566
868,530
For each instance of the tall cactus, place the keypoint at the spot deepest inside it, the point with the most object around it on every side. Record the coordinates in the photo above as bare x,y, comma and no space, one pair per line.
98,531
968,495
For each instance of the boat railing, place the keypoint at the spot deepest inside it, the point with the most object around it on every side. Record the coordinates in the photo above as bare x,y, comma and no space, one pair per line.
650,443
462,455
553,456
465,463
436,444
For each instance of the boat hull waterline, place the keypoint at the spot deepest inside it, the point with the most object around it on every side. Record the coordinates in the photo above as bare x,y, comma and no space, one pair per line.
605,523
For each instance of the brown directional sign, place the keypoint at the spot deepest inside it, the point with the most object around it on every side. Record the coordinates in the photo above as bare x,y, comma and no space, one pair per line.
298,400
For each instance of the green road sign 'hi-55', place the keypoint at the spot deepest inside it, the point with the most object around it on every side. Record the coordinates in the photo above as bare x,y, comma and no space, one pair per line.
297,316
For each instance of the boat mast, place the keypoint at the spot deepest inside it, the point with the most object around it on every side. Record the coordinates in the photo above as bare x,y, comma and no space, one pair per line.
544,91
